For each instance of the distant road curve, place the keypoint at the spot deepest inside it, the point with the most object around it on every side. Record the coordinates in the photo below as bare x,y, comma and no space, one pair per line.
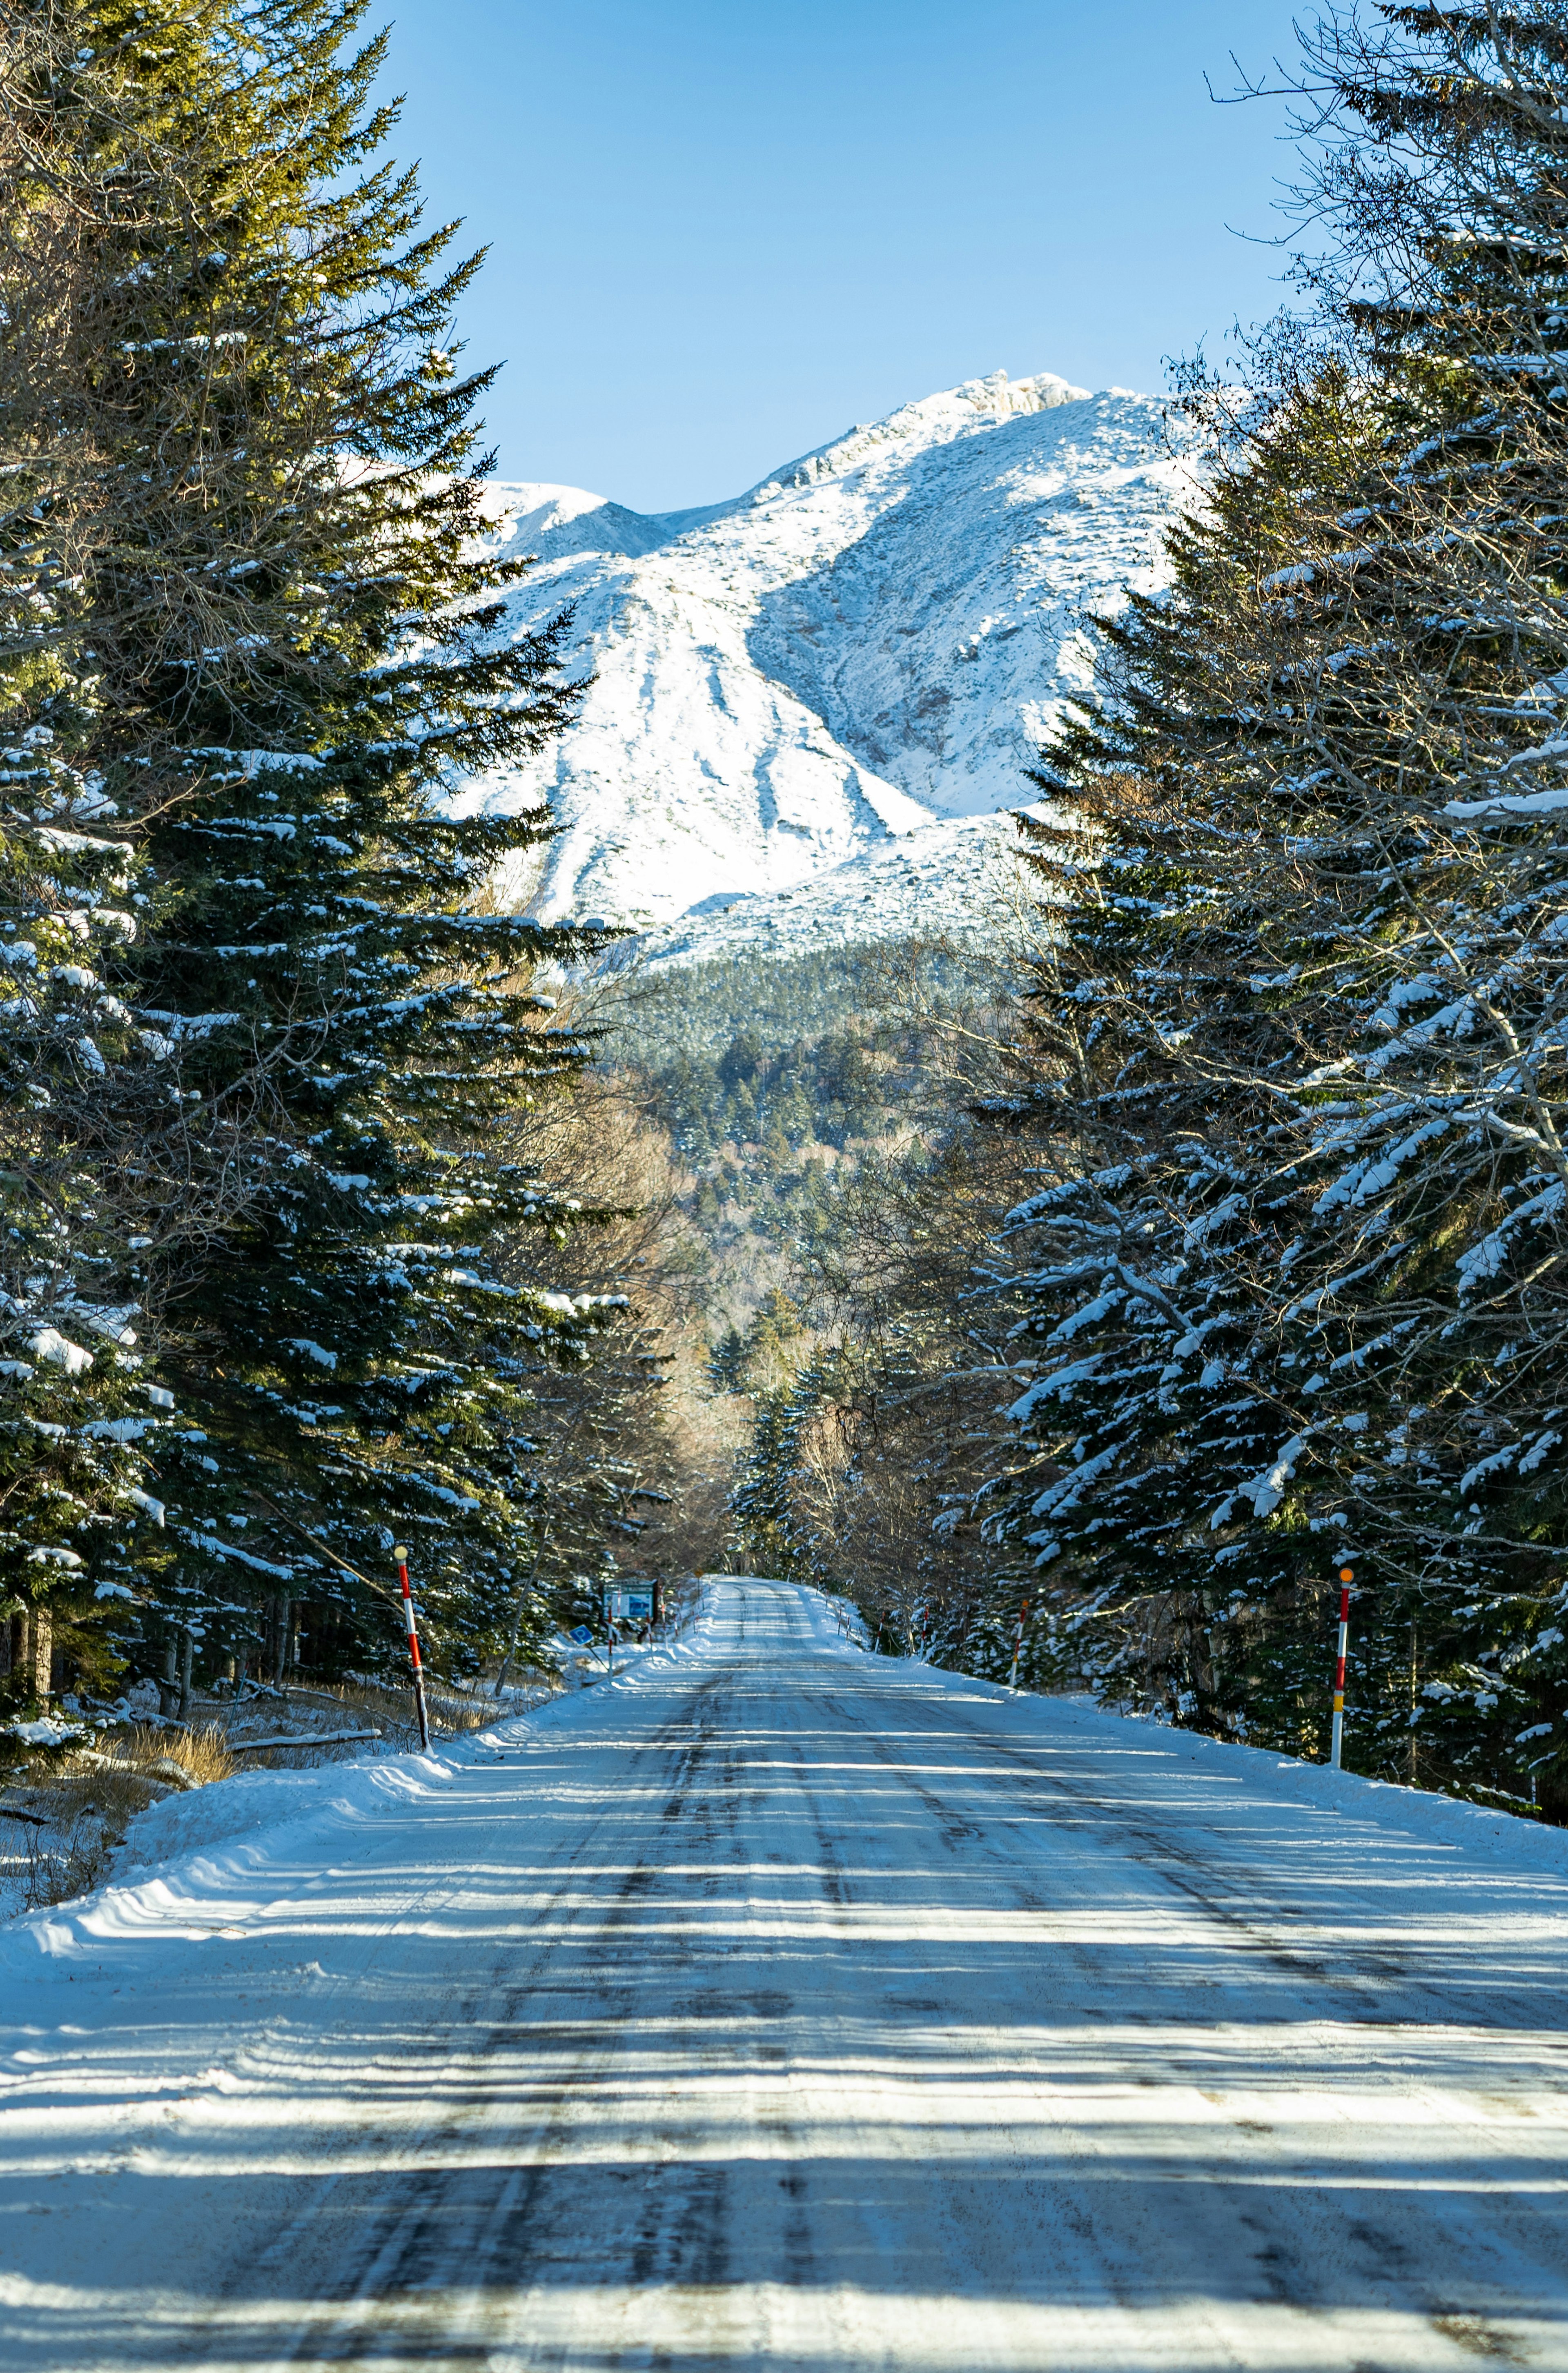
786,2008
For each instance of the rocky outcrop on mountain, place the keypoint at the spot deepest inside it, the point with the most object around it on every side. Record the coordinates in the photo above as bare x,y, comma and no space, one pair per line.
875,639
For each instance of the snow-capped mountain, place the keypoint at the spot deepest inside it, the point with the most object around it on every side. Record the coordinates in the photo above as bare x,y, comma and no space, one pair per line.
941,882
875,639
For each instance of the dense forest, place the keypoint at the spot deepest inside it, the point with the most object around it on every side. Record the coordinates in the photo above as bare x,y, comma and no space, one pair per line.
776,1083
1246,1264
320,1239
1079,1311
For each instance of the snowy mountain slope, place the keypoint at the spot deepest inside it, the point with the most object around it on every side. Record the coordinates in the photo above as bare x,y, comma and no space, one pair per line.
875,638
939,646
944,881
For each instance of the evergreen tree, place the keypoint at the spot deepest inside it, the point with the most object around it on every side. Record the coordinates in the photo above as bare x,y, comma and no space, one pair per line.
1302,1087
77,1408
299,649
77,1412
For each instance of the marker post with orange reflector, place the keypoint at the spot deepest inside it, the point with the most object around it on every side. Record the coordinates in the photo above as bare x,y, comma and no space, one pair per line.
1347,1575
402,1557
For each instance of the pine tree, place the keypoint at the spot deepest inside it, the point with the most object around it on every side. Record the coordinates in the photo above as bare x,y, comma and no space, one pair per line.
1310,1002
298,651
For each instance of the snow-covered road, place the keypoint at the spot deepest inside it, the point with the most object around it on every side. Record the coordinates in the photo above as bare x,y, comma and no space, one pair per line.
785,2007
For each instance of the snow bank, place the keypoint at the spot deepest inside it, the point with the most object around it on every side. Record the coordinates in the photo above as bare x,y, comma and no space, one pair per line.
214,1840
178,1852
1505,1840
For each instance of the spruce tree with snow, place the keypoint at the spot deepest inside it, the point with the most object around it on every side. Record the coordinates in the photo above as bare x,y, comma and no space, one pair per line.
300,648
80,1413
1309,1004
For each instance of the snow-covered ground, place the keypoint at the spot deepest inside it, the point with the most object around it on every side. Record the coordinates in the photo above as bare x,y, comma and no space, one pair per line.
949,883
875,639
780,2006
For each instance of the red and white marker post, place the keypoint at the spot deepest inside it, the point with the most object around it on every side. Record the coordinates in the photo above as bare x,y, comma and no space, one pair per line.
402,1557
1347,1575
1017,1652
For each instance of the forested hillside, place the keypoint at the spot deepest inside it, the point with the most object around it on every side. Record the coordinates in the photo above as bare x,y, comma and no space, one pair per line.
779,1083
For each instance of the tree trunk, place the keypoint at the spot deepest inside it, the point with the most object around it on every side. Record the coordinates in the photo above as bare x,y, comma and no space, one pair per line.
40,1651
276,1645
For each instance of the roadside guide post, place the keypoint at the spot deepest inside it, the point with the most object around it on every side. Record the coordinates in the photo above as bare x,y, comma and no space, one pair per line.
1347,1575
1017,1652
400,1555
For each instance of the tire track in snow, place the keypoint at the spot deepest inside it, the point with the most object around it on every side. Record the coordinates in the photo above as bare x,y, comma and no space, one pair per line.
809,2013
398,2253
1232,1893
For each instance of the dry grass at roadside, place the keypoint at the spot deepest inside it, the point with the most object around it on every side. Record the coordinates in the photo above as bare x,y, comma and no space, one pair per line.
201,1754
62,1817
59,1830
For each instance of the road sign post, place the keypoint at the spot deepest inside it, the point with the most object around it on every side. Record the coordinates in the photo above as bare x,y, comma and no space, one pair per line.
400,1555
1347,1575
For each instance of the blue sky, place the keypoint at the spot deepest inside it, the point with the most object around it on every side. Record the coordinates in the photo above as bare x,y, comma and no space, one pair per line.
721,233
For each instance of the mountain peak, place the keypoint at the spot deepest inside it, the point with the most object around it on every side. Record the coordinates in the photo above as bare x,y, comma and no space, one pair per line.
877,637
